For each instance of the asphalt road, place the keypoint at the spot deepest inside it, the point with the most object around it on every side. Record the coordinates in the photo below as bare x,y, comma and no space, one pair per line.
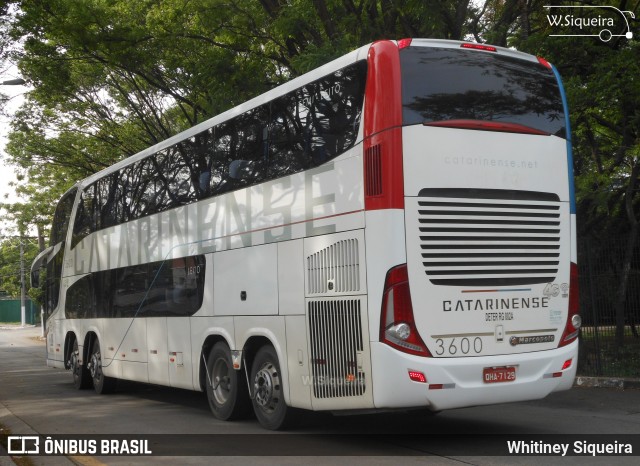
35,399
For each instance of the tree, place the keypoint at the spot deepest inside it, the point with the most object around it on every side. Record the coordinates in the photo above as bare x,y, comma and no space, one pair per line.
111,78
11,263
603,89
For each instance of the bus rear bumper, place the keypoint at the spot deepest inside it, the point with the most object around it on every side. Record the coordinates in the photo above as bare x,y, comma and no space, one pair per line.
458,382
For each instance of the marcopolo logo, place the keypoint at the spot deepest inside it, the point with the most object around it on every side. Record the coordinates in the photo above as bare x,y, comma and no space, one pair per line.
602,21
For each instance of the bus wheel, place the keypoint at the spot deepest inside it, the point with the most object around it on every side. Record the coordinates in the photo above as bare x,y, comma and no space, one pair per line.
81,375
268,391
226,389
101,383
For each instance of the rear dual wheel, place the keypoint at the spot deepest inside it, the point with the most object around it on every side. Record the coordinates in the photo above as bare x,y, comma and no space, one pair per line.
226,389
268,391
228,394
101,383
80,372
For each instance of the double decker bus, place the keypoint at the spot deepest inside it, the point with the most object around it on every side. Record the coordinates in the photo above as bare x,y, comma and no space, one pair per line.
393,230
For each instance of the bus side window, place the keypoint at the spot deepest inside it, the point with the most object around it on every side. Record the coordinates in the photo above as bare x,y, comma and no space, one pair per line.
59,228
224,153
84,223
251,146
287,144
61,218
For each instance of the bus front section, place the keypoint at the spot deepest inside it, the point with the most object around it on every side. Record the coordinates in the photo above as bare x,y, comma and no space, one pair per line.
483,307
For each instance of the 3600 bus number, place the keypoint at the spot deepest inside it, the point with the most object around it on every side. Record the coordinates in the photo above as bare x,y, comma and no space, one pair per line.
458,346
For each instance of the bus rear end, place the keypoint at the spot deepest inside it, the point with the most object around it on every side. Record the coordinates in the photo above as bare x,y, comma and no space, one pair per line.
475,152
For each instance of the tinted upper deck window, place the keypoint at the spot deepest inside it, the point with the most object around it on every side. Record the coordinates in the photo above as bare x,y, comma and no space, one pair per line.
449,84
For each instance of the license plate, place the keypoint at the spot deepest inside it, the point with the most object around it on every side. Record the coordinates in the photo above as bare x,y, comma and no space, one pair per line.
498,374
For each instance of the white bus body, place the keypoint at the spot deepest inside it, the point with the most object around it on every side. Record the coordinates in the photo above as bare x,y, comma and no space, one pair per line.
385,235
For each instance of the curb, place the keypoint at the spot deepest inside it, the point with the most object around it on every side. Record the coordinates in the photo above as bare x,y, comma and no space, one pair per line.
19,427
5,459
607,382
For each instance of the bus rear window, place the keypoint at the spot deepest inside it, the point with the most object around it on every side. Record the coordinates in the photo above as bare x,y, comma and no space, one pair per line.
440,84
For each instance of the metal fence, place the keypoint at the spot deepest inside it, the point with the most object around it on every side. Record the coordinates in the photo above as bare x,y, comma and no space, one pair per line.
600,268
10,311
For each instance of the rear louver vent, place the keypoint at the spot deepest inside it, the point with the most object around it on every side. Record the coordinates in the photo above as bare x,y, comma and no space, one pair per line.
335,268
489,237
335,331
373,171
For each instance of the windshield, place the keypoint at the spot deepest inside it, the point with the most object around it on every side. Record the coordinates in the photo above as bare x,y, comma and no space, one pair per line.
440,84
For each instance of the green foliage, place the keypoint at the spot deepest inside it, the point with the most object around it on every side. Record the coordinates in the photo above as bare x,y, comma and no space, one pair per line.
10,264
603,89
113,77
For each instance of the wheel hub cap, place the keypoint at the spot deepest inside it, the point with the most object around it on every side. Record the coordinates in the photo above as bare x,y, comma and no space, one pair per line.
264,388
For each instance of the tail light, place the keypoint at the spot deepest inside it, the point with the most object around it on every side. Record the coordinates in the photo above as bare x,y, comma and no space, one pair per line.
404,43
574,321
544,63
397,325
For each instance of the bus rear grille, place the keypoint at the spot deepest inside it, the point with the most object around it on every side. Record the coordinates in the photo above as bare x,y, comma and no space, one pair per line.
335,268
475,237
335,331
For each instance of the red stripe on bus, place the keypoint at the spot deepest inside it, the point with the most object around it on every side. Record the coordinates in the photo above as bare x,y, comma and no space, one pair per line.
383,178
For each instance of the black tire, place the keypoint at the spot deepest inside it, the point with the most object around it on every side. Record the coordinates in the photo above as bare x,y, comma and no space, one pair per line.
267,388
101,383
226,387
80,372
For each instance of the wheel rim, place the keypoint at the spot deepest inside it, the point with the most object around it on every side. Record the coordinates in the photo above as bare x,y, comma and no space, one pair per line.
96,365
266,385
220,381
75,367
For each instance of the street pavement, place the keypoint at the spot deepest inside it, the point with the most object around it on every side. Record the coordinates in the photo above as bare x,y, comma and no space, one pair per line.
35,399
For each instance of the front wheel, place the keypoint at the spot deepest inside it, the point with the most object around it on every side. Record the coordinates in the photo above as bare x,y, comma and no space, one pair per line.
101,383
226,389
268,391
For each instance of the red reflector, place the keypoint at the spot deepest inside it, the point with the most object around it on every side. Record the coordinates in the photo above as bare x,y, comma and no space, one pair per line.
404,43
436,386
487,48
544,62
557,374
417,376
567,364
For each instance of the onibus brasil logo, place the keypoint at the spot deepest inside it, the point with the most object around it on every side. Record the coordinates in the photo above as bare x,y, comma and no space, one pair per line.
588,22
